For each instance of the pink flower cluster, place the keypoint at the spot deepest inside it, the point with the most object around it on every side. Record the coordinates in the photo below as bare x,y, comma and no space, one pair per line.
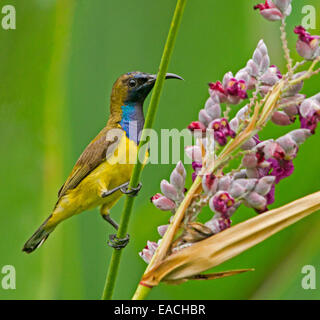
262,164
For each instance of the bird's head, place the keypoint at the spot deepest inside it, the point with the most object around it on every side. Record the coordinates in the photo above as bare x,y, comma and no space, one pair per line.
134,87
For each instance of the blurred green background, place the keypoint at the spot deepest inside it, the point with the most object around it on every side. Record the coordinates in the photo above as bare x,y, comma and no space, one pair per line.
57,69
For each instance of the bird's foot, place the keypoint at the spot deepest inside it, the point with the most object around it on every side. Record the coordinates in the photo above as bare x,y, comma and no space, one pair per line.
107,193
124,188
132,192
110,220
117,243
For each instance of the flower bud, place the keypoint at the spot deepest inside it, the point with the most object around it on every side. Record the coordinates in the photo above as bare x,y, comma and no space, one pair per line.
288,145
234,124
178,176
280,118
247,184
291,111
261,58
269,11
242,114
236,190
217,92
249,144
256,201
307,45
262,48
243,75
197,126
147,253
290,104
264,89
224,183
226,78
252,68
249,160
194,153
162,229
308,107
310,113
163,203
252,173
214,111
217,225
300,135
283,5
209,103
271,76
213,108
264,185
169,190
209,183
316,98
180,169
204,117
240,174
268,149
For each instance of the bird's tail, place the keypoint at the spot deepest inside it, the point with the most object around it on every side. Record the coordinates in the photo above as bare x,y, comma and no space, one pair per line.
38,238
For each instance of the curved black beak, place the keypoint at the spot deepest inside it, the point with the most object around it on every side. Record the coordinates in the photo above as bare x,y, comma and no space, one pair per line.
173,76
153,77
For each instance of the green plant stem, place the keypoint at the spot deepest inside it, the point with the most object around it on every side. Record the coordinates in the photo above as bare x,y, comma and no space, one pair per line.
141,292
153,106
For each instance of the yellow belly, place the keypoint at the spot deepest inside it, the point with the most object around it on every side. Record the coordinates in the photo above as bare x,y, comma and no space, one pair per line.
107,176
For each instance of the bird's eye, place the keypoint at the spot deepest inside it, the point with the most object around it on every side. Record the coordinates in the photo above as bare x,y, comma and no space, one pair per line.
132,83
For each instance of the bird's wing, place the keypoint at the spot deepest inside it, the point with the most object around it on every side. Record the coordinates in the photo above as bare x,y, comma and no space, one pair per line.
95,153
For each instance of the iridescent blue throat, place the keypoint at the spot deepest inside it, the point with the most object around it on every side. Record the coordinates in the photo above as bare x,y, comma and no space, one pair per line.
132,121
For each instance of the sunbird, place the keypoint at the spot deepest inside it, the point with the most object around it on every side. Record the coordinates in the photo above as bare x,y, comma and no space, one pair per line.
101,174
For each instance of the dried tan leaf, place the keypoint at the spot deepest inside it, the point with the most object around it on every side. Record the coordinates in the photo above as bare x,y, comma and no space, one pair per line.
210,276
229,243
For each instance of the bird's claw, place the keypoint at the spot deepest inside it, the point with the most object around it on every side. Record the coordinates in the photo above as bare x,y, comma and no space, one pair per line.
117,243
124,188
132,192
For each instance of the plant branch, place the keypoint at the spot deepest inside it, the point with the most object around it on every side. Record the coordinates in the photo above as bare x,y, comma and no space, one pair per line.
285,47
307,74
153,106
